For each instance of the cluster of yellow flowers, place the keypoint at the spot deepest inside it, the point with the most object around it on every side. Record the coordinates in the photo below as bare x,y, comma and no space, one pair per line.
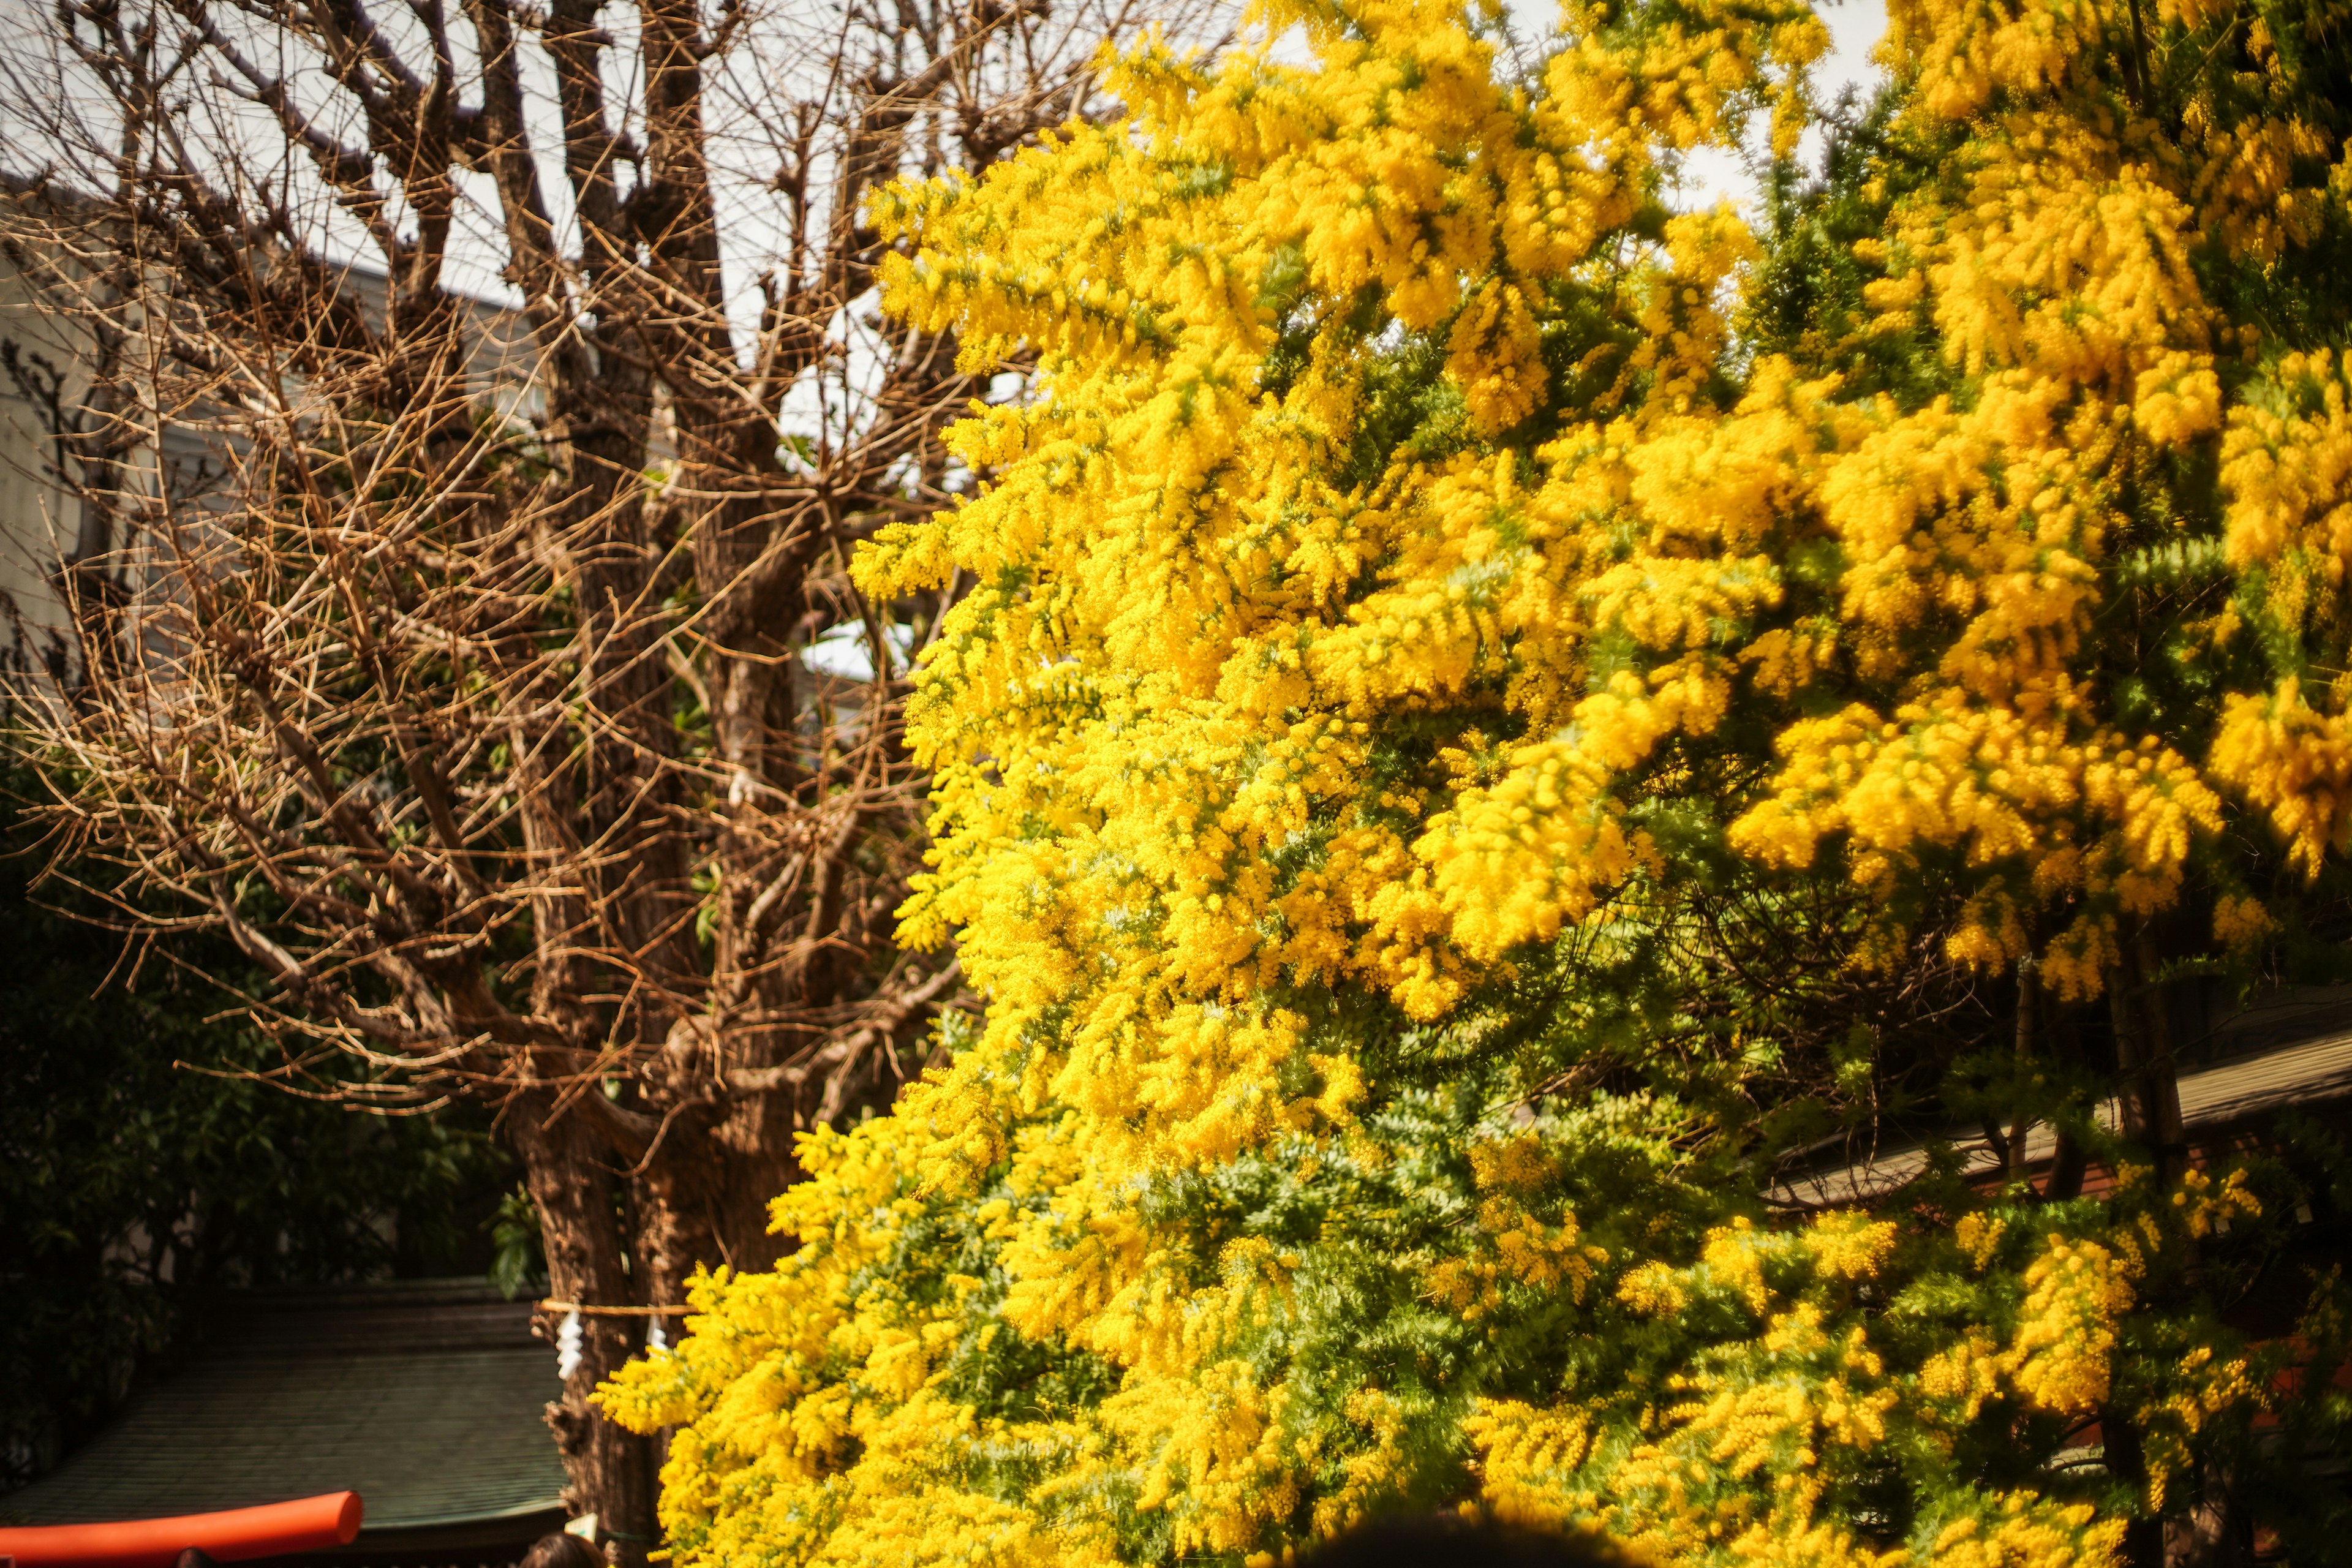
1396,512
1740,1457
2287,465
1236,590
848,1409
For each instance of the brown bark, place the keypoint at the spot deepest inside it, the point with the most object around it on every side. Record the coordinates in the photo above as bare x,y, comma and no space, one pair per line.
2069,1159
611,1470
2017,1166
2151,1078
2127,1461
2212,1530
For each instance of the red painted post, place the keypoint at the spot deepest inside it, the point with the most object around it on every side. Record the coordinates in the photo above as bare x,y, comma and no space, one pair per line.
235,1535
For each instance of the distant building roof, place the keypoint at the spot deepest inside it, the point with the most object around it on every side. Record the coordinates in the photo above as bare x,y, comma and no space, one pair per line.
424,1397
2311,1072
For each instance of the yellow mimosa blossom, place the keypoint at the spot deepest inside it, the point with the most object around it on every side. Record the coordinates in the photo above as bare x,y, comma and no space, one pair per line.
1489,718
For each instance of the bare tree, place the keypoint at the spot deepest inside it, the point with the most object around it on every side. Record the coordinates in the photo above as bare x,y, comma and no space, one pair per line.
487,669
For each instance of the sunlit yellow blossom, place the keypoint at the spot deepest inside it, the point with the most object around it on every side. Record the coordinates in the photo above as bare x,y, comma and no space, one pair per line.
1421,554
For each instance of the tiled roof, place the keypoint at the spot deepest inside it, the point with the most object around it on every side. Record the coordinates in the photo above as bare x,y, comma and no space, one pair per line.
2310,1073
424,1397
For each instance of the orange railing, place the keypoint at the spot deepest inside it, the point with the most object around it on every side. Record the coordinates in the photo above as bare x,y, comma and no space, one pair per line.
235,1535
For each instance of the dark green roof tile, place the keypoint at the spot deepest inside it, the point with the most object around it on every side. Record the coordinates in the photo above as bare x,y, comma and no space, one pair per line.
424,1398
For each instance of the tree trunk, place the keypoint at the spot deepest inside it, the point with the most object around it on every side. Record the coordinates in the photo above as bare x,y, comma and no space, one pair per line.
2150,1086
2211,1532
2021,1125
611,1470
2069,1161
493,734
2127,1463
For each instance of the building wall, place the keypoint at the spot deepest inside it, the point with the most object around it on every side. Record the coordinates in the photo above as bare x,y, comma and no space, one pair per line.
38,520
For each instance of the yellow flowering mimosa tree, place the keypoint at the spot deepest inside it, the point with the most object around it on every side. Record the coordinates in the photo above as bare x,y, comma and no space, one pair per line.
1490,710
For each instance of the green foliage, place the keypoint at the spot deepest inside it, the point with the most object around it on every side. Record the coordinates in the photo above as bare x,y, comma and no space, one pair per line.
518,1250
141,1161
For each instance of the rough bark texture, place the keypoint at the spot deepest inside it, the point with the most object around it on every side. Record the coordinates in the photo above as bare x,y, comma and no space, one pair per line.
467,682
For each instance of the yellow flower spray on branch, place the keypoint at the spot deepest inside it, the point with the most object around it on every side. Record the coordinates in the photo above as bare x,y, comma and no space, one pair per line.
1491,709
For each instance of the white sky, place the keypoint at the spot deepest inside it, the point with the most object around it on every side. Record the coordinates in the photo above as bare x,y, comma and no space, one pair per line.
1719,175
27,43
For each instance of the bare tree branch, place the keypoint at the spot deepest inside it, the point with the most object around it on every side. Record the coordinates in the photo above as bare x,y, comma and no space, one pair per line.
476,668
